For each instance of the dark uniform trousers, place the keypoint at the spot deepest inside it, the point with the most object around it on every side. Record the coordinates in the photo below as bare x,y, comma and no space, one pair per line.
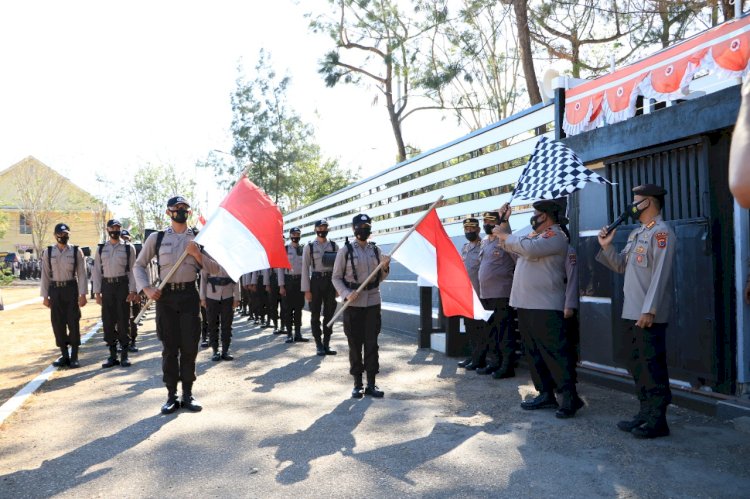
135,309
499,333
294,301
477,339
273,298
323,296
648,365
362,327
65,314
178,326
573,335
547,351
259,301
244,300
219,311
115,312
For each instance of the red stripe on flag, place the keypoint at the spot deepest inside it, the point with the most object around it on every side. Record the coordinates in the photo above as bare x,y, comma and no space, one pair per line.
456,291
255,210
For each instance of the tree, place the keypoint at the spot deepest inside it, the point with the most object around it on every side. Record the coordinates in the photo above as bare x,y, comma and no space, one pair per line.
377,42
100,205
4,224
525,51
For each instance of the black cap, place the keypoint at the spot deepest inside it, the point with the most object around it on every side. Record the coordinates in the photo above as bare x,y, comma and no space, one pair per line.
471,222
551,205
113,222
492,215
320,222
650,190
295,229
125,233
177,200
62,228
361,219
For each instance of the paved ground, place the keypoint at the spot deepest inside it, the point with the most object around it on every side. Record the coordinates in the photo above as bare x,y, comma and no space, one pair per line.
278,422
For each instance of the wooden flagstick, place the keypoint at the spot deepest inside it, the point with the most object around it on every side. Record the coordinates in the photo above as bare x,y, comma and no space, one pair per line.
163,283
380,265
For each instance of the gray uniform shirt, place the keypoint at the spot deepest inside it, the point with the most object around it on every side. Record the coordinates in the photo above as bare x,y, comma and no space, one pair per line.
114,260
539,279
295,260
496,268
317,255
62,269
266,273
365,262
571,272
222,292
646,262
470,256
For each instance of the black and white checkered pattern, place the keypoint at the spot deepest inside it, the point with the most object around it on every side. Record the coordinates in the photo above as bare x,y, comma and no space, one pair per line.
554,171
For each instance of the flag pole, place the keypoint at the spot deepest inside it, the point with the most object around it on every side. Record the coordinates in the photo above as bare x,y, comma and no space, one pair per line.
380,265
162,284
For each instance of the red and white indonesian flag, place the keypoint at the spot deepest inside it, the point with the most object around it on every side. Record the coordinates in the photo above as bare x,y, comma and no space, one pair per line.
246,232
430,254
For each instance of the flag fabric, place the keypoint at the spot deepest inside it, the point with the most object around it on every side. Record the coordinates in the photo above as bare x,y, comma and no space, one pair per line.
201,220
429,253
553,171
246,232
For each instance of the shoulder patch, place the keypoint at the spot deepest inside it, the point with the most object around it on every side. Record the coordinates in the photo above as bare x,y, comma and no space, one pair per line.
661,239
549,233
572,258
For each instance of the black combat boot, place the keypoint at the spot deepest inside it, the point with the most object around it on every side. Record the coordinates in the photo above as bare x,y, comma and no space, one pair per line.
464,363
132,347
124,362
506,368
545,400
74,364
172,404
289,339
357,392
216,356
326,348
640,418
372,390
188,401
204,341
655,425
276,329
319,347
64,359
489,369
570,404
225,352
112,360
298,336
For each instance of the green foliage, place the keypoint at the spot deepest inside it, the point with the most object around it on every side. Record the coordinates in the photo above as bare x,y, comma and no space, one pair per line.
4,224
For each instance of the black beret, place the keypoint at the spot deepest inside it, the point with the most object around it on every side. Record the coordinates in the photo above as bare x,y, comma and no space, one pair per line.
551,205
295,229
361,219
471,222
125,233
650,190
493,215
61,228
323,221
177,200
114,222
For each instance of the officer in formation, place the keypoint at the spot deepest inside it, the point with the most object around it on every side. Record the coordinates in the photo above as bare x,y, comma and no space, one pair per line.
646,262
354,263
114,290
244,295
294,297
496,267
178,304
318,258
247,288
538,294
258,281
474,328
219,295
63,289
274,279
135,305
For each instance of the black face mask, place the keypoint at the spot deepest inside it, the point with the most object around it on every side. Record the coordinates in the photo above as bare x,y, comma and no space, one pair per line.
362,233
634,212
295,239
488,229
115,234
62,239
179,216
535,223
321,233
471,236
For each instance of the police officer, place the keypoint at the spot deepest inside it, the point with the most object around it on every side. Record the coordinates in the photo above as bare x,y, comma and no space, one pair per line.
114,290
646,262
354,263
178,304
538,294
274,279
63,288
294,298
258,281
135,305
474,328
318,257
219,295
496,268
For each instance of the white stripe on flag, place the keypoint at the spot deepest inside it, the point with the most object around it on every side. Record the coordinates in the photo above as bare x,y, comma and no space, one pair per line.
419,255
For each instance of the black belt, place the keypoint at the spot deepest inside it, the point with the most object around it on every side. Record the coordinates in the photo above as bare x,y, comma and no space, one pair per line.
220,281
322,274
115,280
62,284
355,286
293,277
179,286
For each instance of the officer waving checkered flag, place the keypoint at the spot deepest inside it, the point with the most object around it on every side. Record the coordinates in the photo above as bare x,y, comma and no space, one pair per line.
553,171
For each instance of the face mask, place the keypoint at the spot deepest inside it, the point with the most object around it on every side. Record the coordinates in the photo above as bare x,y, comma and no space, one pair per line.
62,239
535,223
634,212
321,233
115,234
295,239
471,236
179,216
363,233
488,229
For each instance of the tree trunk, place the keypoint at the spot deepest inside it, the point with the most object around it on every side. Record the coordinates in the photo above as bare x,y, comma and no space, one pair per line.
520,8
393,115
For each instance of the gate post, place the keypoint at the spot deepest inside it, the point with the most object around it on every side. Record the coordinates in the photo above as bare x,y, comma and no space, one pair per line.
425,316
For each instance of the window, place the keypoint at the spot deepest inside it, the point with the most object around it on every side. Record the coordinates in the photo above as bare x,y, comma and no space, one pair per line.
24,226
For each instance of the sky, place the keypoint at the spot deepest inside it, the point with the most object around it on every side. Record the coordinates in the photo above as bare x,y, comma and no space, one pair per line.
100,87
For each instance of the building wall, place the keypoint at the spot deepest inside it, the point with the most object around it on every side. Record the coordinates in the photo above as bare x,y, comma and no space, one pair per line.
83,230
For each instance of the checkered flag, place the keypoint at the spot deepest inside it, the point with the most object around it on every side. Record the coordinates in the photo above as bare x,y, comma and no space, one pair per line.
553,171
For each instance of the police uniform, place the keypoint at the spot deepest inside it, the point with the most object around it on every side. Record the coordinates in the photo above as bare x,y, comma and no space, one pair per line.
259,279
63,281
496,267
295,298
317,268
245,304
113,279
274,279
538,294
646,260
474,328
219,292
